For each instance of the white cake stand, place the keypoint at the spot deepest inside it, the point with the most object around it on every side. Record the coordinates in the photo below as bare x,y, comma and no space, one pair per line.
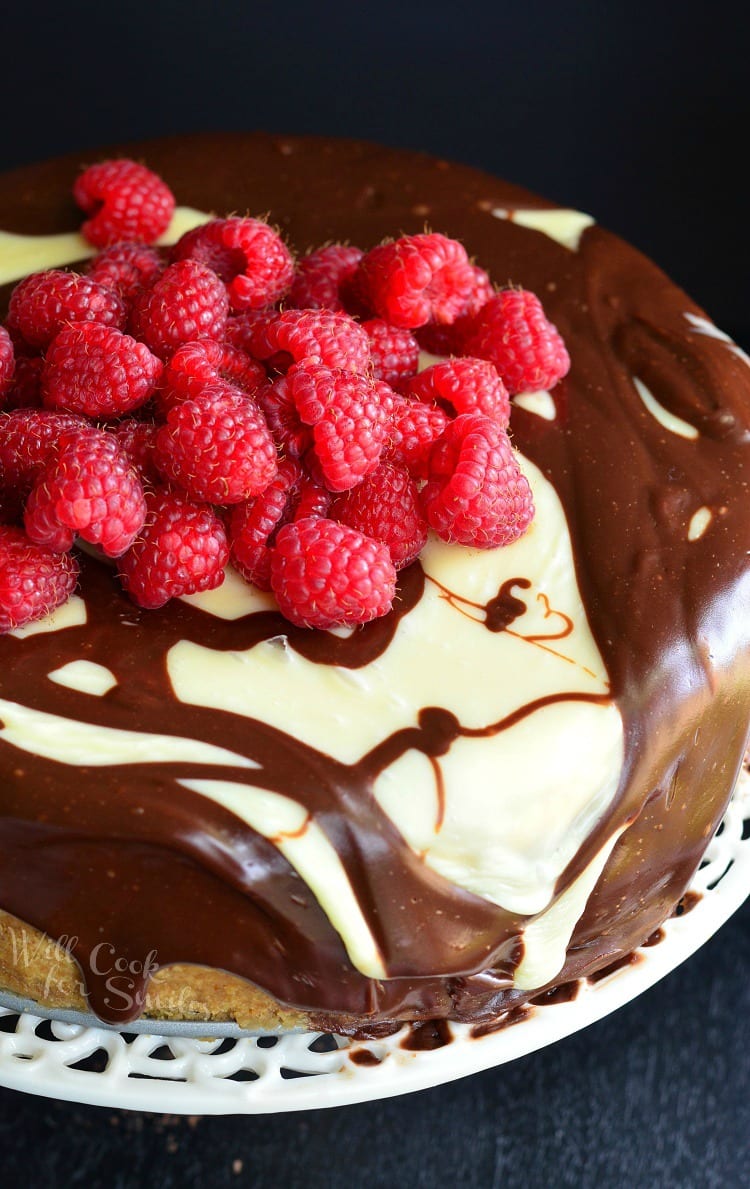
181,1073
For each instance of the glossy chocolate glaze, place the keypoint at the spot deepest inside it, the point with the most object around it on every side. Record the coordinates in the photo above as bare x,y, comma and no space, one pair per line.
113,853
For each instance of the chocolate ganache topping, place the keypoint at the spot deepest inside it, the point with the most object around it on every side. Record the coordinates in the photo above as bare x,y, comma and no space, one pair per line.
130,853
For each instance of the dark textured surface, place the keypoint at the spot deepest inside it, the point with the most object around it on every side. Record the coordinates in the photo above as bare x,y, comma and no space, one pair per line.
657,1094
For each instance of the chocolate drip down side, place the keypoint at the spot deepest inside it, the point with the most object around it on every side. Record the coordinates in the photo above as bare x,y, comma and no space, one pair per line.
112,852
420,921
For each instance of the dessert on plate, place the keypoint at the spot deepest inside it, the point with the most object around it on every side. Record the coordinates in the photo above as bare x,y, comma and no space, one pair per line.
500,771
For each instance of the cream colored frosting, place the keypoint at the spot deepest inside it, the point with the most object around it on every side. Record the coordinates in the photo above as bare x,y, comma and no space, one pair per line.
71,614
564,226
669,420
541,404
699,522
85,676
701,325
24,254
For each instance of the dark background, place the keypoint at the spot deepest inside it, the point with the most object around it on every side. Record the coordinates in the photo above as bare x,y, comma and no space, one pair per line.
639,114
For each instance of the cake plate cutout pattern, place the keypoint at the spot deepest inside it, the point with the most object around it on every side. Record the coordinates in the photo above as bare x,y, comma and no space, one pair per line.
177,1071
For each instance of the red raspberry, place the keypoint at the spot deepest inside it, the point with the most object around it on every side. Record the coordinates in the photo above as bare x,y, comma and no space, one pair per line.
26,390
254,524
449,340
324,574
187,302
335,340
182,549
137,442
217,447
28,439
87,487
314,471
512,331
418,279
33,580
348,418
475,493
289,432
127,268
356,296
125,200
7,363
98,371
311,498
386,506
249,256
194,365
242,329
469,385
413,426
394,351
44,302
320,276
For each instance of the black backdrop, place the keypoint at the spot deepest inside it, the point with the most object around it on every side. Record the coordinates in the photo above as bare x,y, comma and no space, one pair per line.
638,113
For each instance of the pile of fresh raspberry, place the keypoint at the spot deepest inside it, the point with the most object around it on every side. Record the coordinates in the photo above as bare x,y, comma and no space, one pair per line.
178,409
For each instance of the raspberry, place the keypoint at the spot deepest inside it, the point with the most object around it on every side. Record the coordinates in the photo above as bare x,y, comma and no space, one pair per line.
241,329
98,371
469,385
7,363
393,350
311,498
475,493
194,365
253,525
28,439
137,442
125,200
33,580
313,469
324,574
449,340
413,426
418,279
127,268
182,549
249,256
335,340
348,418
512,331
288,430
217,447
44,302
385,506
187,302
320,276
87,487
25,391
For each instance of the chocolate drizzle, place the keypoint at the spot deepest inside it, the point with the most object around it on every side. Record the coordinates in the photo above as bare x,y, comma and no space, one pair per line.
111,853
